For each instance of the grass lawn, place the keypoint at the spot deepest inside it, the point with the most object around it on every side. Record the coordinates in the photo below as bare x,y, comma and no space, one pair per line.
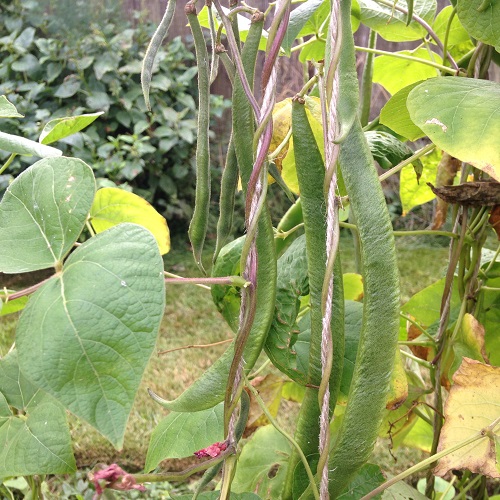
191,318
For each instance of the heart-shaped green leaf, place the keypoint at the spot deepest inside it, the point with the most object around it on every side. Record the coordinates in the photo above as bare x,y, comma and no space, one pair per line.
43,212
59,128
87,334
461,116
481,19
7,109
22,146
38,442
395,114
395,73
181,434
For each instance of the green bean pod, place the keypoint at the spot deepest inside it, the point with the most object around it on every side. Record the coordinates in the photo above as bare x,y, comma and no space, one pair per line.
199,221
378,341
292,218
152,50
229,184
210,388
311,176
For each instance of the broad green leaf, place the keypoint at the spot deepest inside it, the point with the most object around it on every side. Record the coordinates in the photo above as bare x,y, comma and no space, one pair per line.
7,109
87,334
471,406
420,436
387,150
457,33
113,206
23,146
394,73
179,435
402,491
425,306
105,63
59,128
412,192
396,116
299,17
353,286
38,441
481,19
262,464
367,479
47,206
461,116
489,317
314,51
68,88
391,24
12,306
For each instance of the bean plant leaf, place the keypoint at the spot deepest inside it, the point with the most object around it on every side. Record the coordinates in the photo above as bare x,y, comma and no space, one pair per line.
394,73
353,286
262,464
471,406
413,191
270,390
37,442
103,311
181,434
460,116
7,109
113,206
489,317
392,24
22,146
367,479
396,116
402,491
298,19
387,150
457,33
481,19
59,128
68,88
11,306
47,206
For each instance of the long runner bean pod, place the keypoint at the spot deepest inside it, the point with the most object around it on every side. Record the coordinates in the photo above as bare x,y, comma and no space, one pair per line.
378,341
199,221
229,184
311,177
152,50
210,388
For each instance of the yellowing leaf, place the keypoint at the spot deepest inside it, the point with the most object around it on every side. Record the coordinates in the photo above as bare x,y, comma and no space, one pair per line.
353,286
269,388
282,122
473,404
413,193
113,206
398,390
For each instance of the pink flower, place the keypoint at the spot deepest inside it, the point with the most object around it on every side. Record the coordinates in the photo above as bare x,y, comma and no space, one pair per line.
214,450
113,477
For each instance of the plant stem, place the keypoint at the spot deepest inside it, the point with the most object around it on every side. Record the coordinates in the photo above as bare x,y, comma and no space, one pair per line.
171,275
429,461
285,434
27,291
286,234
426,232
418,360
7,163
416,325
194,346
225,280
398,55
411,159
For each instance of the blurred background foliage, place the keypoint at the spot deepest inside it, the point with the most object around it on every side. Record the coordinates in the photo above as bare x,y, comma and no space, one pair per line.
62,57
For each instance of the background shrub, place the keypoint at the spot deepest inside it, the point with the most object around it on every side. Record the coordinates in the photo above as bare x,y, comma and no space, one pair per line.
88,61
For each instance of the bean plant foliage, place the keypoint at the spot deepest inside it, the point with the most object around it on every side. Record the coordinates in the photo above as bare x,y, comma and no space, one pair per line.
361,365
